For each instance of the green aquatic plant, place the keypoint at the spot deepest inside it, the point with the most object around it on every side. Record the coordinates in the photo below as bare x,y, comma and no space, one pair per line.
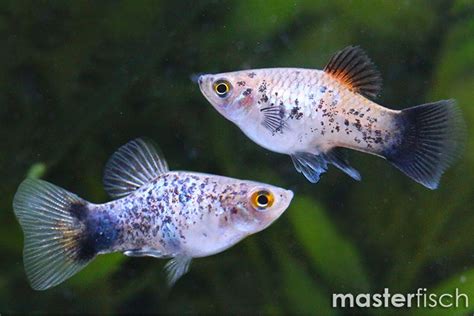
79,78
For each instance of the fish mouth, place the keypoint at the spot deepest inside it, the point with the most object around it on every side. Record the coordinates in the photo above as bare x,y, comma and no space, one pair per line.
205,85
288,197
202,80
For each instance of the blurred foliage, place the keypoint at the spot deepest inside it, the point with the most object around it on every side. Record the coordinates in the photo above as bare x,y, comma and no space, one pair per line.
80,78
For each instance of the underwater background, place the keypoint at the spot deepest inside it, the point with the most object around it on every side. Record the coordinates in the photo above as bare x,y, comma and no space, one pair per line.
78,79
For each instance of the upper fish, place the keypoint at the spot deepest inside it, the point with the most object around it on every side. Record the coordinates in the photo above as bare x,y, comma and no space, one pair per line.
156,212
311,114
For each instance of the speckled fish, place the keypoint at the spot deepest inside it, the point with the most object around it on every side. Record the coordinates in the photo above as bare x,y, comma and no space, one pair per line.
159,213
310,114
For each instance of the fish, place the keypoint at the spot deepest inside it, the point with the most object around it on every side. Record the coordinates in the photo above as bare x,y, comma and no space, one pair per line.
155,212
315,115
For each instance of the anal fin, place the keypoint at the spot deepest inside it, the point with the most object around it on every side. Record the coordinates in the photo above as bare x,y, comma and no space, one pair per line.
336,157
176,268
313,165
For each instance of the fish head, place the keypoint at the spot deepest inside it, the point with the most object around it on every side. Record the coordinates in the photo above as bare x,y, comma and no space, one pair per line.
257,206
231,93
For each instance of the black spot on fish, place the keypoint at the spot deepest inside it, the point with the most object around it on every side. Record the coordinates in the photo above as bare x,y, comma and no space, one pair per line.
241,83
357,125
371,119
346,122
295,113
247,92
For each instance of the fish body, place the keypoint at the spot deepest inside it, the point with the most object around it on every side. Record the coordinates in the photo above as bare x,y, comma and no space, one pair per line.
310,114
195,209
160,213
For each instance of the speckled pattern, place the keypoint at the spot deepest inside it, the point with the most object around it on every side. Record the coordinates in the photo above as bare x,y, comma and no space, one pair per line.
185,213
163,214
290,110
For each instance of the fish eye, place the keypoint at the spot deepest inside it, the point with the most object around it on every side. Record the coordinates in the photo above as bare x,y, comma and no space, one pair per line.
262,200
222,88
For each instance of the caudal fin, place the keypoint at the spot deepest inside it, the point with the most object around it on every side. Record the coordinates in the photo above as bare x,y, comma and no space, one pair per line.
432,137
51,221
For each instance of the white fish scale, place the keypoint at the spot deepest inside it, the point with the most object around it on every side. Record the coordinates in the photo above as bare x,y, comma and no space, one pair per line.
280,85
188,205
320,113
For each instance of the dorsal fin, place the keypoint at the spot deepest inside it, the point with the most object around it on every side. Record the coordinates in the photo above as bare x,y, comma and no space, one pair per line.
353,68
131,166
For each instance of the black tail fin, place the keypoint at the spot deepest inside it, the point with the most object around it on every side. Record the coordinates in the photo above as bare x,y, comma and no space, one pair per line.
51,222
432,139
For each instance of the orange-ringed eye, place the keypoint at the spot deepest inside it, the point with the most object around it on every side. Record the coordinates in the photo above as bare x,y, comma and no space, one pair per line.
222,88
262,200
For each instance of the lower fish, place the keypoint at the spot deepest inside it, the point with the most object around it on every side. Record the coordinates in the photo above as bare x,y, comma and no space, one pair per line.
311,114
160,213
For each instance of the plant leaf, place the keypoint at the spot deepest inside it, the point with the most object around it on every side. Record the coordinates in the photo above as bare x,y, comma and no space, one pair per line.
332,255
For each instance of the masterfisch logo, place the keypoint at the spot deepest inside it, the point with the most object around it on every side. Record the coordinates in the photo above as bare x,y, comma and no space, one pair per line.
419,299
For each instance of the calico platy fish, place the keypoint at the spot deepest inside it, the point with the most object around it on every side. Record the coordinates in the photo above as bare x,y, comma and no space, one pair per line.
310,114
159,213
